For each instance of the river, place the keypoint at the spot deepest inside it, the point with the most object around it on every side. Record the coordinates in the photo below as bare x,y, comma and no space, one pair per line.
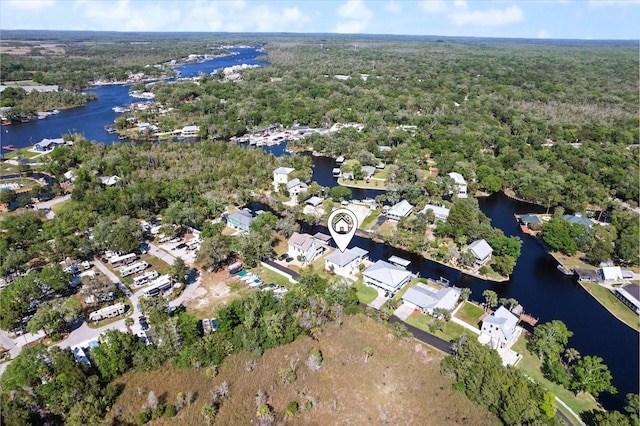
536,283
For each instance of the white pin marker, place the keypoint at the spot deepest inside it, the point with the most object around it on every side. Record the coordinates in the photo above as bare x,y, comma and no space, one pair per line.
342,226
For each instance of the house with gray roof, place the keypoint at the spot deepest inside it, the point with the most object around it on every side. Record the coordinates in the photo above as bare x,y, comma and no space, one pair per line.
281,176
386,276
48,144
630,296
441,212
460,185
367,171
426,298
400,210
305,247
500,329
579,219
296,186
481,250
345,263
240,220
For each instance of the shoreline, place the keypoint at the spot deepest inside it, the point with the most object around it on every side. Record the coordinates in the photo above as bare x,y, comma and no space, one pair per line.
636,328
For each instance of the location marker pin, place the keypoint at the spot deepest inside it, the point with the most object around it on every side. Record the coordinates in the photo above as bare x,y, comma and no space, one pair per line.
342,225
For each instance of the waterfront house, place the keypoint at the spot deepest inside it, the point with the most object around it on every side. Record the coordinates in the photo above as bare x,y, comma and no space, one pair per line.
399,210
481,250
441,212
314,201
579,219
281,176
500,329
630,296
386,276
190,131
240,220
367,171
345,263
295,187
48,144
305,247
610,274
426,298
460,185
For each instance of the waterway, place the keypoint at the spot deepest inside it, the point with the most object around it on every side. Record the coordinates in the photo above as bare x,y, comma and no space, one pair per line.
536,283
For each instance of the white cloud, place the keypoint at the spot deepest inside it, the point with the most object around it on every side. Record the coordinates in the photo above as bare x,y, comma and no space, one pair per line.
543,33
460,4
357,15
393,7
596,4
491,17
433,7
32,5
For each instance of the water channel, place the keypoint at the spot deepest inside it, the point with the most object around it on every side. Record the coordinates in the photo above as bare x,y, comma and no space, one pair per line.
536,283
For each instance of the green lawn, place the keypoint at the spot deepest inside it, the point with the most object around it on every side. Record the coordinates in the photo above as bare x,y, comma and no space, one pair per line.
451,330
530,365
470,314
368,221
268,276
613,305
372,184
365,294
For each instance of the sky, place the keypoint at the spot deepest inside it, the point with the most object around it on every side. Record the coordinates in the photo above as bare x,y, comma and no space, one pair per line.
559,19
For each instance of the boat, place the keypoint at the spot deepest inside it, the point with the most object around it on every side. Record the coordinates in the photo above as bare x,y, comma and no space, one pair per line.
336,172
564,269
9,147
340,159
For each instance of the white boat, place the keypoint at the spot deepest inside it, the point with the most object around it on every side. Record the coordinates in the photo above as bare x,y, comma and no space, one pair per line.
336,172
340,160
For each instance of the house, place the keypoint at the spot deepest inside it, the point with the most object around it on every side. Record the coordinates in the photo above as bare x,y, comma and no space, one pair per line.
314,201
400,210
70,176
630,296
526,219
110,180
610,274
441,212
481,250
190,131
240,220
579,219
500,329
367,171
48,144
345,263
80,356
426,298
108,312
305,246
296,186
460,187
281,176
386,276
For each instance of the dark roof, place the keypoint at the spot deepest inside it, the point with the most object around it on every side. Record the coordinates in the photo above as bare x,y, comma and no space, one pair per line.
633,289
529,218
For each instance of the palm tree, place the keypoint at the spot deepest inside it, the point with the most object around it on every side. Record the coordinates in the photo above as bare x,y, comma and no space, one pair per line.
491,299
571,354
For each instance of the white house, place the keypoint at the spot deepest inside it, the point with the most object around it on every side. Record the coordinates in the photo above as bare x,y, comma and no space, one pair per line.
296,186
281,176
345,263
441,212
500,330
386,276
400,210
190,131
610,274
306,246
481,250
630,296
110,180
426,298
460,185
108,312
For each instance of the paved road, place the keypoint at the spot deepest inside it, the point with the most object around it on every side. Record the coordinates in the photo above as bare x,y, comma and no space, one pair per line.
161,254
48,204
425,337
284,269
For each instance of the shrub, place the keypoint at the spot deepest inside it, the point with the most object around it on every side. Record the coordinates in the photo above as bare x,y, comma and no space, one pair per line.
170,410
142,418
292,409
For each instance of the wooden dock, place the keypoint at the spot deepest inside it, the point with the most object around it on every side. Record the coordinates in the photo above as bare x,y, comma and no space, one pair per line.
528,319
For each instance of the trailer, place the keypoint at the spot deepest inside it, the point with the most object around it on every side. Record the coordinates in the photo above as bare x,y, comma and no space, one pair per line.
141,280
107,312
158,286
235,268
133,269
117,261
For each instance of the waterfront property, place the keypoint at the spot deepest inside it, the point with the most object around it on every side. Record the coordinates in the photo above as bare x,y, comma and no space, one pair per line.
610,274
400,210
630,296
579,219
440,212
240,220
460,185
296,186
345,263
386,276
314,201
48,144
481,251
500,329
190,131
305,247
281,176
426,298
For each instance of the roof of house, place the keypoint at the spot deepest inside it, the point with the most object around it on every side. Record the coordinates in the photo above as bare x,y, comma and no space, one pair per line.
632,290
401,209
368,170
529,218
579,219
504,319
480,249
611,273
283,170
110,180
437,210
428,298
397,260
314,201
457,177
322,237
344,258
301,241
296,182
48,142
242,217
387,273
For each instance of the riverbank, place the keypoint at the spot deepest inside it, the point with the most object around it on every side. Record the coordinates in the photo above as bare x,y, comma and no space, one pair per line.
610,302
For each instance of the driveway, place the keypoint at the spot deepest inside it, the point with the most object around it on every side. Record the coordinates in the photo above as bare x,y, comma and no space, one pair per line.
378,301
161,254
403,312
48,204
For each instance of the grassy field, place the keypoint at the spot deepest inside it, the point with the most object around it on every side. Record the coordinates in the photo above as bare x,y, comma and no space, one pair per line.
450,332
470,314
371,184
399,384
530,365
366,294
268,276
613,305
368,221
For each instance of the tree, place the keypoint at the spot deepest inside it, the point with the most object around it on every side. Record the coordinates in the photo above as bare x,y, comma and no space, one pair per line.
209,412
491,299
549,339
287,226
213,250
55,315
8,196
265,221
114,356
510,302
179,270
592,375
571,354
340,193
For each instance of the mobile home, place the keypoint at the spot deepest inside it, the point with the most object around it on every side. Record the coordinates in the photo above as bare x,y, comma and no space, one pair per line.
108,312
158,286
133,269
144,278
117,261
